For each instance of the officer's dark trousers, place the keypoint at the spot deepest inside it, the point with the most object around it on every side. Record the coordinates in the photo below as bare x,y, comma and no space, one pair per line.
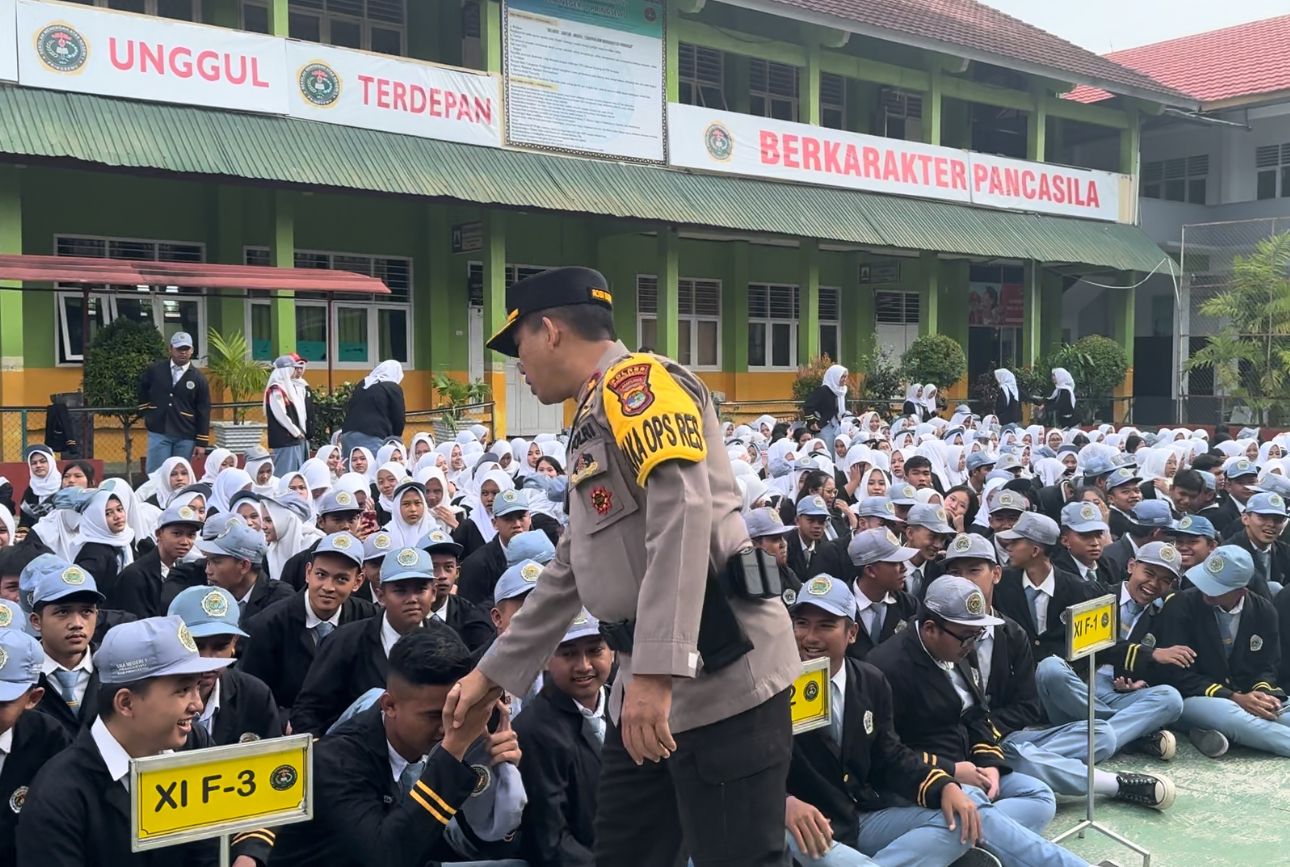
719,798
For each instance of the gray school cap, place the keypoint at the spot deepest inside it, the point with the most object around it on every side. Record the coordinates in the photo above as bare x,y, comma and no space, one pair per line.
976,460
58,582
1083,517
970,546
21,658
1004,500
517,580
1033,527
530,545
179,516
344,545
877,546
509,502
931,516
238,540
407,564
903,495
335,502
875,507
765,522
207,611
152,647
1160,554
377,545
812,507
828,594
960,601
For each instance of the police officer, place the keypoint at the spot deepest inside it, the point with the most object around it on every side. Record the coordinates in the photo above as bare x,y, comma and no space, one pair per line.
700,706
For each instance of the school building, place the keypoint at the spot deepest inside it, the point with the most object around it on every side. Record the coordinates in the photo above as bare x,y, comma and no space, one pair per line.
761,181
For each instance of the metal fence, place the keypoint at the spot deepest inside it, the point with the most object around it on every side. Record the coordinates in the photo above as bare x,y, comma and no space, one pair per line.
101,436
1209,257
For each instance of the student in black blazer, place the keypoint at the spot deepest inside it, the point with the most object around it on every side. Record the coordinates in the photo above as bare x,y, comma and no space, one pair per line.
478,573
1259,533
561,731
233,562
65,610
471,622
884,608
138,589
283,639
106,548
809,552
32,738
1230,692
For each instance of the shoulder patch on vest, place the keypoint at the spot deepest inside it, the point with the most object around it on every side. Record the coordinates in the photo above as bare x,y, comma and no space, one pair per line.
652,418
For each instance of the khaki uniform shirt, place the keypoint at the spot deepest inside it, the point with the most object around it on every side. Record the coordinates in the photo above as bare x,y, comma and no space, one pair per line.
652,507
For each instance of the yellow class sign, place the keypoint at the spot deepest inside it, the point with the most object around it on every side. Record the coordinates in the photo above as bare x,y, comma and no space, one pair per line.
199,794
1091,626
808,697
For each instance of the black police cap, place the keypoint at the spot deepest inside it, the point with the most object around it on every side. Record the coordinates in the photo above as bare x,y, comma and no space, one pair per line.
558,287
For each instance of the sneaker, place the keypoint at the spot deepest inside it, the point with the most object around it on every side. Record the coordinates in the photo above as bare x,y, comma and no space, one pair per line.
1210,742
1146,790
975,857
1161,745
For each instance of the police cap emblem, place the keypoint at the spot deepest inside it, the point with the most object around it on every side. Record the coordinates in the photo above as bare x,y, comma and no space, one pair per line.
73,575
407,557
186,639
975,603
820,585
530,572
1256,643
214,604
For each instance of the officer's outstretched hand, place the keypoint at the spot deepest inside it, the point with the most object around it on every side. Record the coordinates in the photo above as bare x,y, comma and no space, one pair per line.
809,827
647,703
472,692
960,811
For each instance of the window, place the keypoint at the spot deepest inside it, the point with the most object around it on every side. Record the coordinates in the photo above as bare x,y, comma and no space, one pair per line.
372,25
180,10
772,325
772,89
830,322
472,45
1273,165
833,101
361,330
896,316
169,308
1182,179
698,319
702,76
514,274
901,114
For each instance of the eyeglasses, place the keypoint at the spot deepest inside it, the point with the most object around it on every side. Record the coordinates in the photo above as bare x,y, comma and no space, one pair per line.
963,640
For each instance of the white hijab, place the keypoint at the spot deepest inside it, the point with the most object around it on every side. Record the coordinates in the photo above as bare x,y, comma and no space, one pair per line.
370,472
929,398
483,518
6,518
1064,382
214,461
386,371
293,390
835,380
1007,383
293,536
253,467
53,479
403,533
226,485
400,474
94,526
140,517
158,483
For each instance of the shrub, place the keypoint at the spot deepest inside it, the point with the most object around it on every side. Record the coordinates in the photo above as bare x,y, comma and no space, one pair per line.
883,381
810,377
1097,363
936,359
114,362
327,412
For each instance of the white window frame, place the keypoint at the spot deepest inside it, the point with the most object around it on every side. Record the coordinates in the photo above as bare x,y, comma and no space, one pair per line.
108,300
644,281
325,18
834,323
768,323
149,8
340,302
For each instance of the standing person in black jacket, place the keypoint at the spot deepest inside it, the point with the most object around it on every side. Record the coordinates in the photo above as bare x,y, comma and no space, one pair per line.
176,403
287,415
824,409
1007,406
376,411
1060,406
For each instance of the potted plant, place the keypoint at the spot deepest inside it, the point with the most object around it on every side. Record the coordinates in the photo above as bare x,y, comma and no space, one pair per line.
453,396
231,368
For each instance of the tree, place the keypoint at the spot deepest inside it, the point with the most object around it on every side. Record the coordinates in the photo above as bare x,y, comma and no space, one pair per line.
114,363
1250,353
936,359
882,380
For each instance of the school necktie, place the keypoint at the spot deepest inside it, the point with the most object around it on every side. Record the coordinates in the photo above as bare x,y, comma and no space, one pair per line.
1226,629
67,687
1129,613
914,580
1032,597
835,714
593,729
321,631
410,775
1264,559
879,610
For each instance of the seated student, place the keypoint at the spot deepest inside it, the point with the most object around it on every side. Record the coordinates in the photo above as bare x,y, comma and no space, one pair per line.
561,732
283,639
64,612
918,472
138,589
877,513
1211,508
27,740
77,812
375,547
809,552
1083,533
391,780
233,562
1055,754
903,497
479,572
883,606
1194,537
1188,492
769,533
941,710
1259,532
1242,476
853,787
1004,508
1122,494
236,707
467,619
338,512
927,531
1230,692
192,572
1150,521
13,560
356,658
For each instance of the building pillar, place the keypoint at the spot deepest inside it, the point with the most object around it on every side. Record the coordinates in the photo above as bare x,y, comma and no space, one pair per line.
433,267
932,106
1050,324
494,278
928,294
952,319
809,88
282,254
279,18
490,34
734,316
227,311
672,57
1031,314
12,352
857,316
1037,128
1130,144
668,273
1121,308
808,300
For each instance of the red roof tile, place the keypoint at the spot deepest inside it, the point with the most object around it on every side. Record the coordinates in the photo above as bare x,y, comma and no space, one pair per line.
1244,60
983,30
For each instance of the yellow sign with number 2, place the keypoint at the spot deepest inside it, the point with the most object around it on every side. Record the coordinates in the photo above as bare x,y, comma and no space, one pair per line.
809,696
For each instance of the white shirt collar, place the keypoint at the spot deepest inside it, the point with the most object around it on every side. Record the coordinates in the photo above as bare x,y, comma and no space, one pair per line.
863,602
442,613
600,706
212,705
114,755
398,764
52,665
388,636
6,742
312,619
182,368
1240,606
1049,587
807,547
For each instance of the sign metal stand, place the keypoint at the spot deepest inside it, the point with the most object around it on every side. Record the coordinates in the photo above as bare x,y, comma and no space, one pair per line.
1092,626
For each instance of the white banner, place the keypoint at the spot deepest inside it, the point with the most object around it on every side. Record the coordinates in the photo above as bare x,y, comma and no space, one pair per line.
66,47
8,40
375,91
586,76
741,144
